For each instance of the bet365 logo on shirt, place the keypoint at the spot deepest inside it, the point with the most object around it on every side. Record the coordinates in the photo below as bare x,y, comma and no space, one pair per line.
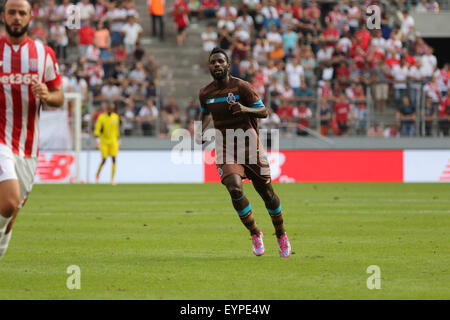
18,78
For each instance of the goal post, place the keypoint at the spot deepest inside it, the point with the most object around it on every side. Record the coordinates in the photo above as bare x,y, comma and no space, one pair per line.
76,124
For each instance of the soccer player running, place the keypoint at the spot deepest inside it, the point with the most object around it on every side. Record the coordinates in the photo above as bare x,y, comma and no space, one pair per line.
29,77
234,104
108,134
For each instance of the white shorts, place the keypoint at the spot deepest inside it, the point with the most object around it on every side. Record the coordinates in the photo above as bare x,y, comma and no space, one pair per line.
14,167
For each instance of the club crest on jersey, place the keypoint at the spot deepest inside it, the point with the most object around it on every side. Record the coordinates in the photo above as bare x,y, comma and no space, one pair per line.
231,98
33,64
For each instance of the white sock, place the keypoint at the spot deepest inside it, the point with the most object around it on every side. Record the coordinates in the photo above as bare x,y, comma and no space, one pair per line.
4,242
3,224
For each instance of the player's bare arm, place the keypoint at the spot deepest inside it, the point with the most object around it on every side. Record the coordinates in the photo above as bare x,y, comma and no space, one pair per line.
206,119
52,97
239,109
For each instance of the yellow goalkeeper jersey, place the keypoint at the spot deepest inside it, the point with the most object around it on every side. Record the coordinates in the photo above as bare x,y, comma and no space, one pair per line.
107,128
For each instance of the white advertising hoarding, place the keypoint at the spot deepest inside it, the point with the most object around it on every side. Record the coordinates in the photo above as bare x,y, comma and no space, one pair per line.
131,167
426,166
168,167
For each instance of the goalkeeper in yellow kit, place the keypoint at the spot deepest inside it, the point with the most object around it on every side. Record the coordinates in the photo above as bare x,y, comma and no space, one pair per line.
108,134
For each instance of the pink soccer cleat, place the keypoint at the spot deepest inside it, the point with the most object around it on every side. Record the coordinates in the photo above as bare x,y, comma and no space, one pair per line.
258,244
284,246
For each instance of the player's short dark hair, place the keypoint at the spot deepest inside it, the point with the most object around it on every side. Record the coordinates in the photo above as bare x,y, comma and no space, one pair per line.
219,50
4,2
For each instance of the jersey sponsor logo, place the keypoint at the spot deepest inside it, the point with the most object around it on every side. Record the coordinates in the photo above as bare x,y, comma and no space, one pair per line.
56,168
223,99
18,78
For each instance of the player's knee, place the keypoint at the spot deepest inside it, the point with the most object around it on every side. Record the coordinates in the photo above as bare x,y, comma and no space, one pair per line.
235,191
267,195
9,206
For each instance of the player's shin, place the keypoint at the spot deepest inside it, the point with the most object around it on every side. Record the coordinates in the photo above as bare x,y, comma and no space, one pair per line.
244,210
274,209
113,172
4,238
4,242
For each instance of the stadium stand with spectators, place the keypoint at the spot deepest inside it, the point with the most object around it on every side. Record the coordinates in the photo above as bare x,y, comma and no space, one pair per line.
319,53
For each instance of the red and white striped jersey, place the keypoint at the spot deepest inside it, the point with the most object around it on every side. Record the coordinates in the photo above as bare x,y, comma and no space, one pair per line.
19,107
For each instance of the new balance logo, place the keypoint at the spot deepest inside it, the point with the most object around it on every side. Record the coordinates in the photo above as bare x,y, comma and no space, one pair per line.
57,168
445,175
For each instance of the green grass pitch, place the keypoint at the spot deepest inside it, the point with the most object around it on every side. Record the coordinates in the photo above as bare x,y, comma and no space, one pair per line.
186,242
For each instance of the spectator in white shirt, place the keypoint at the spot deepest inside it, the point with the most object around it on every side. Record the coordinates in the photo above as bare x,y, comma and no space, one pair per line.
58,36
429,63
245,21
295,74
132,31
209,38
87,10
146,117
354,15
416,77
226,11
273,37
407,26
378,43
400,76
268,9
272,121
138,75
110,91
129,118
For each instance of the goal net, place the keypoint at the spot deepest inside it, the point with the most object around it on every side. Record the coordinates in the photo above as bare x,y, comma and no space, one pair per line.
60,142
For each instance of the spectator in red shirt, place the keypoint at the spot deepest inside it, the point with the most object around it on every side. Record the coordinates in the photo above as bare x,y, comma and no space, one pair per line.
325,116
85,37
296,9
286,113
392,61
313,12
410,60
341,114
334,16
343,73
208,8
120,54
365,37
39,32
302,114
444,116
330,35
181,18
375,131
